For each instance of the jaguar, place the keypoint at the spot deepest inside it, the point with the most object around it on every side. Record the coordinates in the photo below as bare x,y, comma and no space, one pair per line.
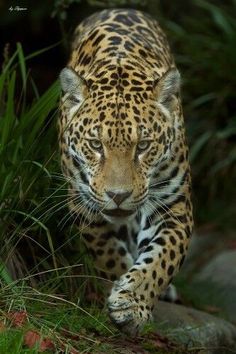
124,154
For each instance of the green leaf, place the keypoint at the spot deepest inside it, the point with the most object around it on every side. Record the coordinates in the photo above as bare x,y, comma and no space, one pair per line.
4,274
8,119
22,64
218,15
198,145
41,51
230,160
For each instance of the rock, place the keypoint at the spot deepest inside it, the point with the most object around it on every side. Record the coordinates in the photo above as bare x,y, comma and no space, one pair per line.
202,248
220,270
219,276
195,329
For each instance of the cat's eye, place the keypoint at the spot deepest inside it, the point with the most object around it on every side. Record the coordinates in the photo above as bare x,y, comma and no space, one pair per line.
95,144
143,145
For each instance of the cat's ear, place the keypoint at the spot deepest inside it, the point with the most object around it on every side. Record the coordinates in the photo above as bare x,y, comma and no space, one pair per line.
73,87
167,88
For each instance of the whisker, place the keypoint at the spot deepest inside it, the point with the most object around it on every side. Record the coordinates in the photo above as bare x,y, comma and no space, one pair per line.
167,210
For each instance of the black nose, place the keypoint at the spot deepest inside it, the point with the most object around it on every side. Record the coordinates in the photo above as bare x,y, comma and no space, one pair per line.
118,197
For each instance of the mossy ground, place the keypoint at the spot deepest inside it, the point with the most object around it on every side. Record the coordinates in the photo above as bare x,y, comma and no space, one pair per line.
72,330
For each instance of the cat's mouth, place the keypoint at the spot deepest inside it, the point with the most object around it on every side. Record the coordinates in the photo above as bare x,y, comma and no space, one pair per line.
118,212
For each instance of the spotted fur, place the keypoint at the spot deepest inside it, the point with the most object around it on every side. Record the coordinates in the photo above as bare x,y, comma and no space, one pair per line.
124,153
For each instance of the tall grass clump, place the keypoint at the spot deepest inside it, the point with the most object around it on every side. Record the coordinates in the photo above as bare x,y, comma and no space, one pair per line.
28,159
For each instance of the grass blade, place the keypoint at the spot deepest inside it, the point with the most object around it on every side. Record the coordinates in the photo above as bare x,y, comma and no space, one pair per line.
22,64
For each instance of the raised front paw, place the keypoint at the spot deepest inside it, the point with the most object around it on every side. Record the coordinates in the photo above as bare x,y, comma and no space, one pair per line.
127,311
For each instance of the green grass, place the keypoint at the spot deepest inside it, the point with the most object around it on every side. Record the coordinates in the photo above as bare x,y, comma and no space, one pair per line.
25,158
52,316
11,341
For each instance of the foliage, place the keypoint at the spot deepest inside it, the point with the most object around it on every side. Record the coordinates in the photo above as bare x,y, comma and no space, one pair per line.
25,160
117,3
41,321
61,6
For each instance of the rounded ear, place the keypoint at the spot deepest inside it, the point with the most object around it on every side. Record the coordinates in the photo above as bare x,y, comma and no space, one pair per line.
73,86
167,87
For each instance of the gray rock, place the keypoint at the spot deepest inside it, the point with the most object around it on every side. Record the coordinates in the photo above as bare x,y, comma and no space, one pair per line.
195,329
221,270
202,248
219,276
